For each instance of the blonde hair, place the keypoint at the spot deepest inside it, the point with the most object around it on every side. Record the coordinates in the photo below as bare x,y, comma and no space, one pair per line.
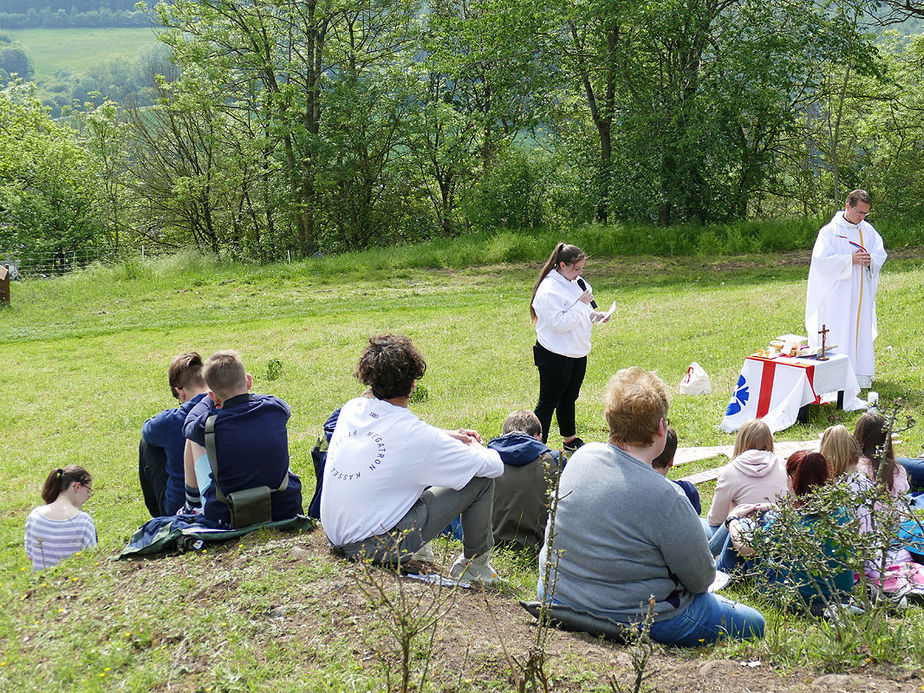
634,404
753,435
840,448
224,374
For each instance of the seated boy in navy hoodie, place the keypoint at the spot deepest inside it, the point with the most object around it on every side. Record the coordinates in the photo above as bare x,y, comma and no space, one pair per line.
663,463
160,453
251,442
521,494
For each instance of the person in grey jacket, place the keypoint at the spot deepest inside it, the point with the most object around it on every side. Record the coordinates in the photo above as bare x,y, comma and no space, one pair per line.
623,534
521,493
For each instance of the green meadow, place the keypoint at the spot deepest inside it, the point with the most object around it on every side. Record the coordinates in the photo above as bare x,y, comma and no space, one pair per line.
79,50
83,363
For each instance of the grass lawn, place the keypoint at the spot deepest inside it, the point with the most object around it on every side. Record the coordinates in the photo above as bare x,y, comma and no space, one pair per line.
81,49
83,363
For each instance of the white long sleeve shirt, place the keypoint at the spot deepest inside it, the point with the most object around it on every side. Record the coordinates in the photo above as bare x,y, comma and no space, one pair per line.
380,461
563,323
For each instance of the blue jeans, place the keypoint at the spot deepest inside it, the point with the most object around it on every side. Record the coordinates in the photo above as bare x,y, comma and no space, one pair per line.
915,468
728,560
708,618
717,538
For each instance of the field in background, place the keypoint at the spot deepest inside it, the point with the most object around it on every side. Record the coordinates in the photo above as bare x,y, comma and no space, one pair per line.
83,361
80,50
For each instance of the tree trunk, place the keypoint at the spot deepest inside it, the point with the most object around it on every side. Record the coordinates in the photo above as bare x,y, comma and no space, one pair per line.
602,209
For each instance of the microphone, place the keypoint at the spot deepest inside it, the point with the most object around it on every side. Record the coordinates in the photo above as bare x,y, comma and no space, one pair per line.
583,285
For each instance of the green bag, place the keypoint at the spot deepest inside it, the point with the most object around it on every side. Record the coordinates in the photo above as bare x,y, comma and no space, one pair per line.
248,506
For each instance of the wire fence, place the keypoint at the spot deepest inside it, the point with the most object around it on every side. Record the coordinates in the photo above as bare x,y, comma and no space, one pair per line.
37,265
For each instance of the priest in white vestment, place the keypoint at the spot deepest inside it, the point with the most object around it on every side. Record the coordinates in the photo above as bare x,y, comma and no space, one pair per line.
842,282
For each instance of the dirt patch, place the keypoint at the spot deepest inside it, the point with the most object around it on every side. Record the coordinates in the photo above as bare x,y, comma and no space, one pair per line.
478,637
649,265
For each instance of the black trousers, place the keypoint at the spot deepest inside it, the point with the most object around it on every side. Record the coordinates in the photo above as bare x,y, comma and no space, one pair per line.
560,379
152,473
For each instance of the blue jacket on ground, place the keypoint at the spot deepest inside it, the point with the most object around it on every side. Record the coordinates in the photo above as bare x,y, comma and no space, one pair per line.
165,430
253,450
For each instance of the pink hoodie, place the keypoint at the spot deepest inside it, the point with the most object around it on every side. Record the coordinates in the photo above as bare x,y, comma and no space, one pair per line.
754,476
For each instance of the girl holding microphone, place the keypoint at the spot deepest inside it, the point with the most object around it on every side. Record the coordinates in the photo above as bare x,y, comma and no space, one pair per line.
562,308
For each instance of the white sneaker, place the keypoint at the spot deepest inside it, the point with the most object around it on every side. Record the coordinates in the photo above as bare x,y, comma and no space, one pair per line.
475,569
424,554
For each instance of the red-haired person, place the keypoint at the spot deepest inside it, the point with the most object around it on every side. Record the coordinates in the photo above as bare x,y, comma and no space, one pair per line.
807,472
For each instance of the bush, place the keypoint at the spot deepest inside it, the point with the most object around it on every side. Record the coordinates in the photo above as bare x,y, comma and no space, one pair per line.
510,194
15,60
793,552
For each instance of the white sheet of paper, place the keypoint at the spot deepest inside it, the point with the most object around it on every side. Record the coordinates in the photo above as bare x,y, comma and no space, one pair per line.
608,314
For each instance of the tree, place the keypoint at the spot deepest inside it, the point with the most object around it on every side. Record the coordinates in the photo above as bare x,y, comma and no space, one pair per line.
321,81
365,197
890,129
174,166
46,194
899,10
480,85
14,60
586,38
279,45
104,134
692,100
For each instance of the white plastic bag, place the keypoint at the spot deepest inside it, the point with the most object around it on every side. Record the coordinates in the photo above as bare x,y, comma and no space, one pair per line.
696,381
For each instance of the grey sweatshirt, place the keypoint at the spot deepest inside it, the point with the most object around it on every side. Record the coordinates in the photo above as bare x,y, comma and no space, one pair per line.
623,533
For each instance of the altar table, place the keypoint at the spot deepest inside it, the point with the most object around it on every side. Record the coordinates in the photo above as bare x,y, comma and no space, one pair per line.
775,389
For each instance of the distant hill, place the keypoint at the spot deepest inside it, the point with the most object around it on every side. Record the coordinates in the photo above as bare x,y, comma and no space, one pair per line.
70,64
23,6
902,22
68,14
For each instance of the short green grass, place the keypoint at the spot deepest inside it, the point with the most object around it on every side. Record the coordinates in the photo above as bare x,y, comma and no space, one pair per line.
83,361
78,50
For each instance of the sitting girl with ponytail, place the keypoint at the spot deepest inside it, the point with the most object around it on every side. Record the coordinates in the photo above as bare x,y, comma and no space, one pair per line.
60,528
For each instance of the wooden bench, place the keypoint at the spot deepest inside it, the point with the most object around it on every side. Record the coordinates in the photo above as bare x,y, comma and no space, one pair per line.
684,455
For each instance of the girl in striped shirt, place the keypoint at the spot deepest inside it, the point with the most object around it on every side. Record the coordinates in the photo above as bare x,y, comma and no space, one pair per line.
60,528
